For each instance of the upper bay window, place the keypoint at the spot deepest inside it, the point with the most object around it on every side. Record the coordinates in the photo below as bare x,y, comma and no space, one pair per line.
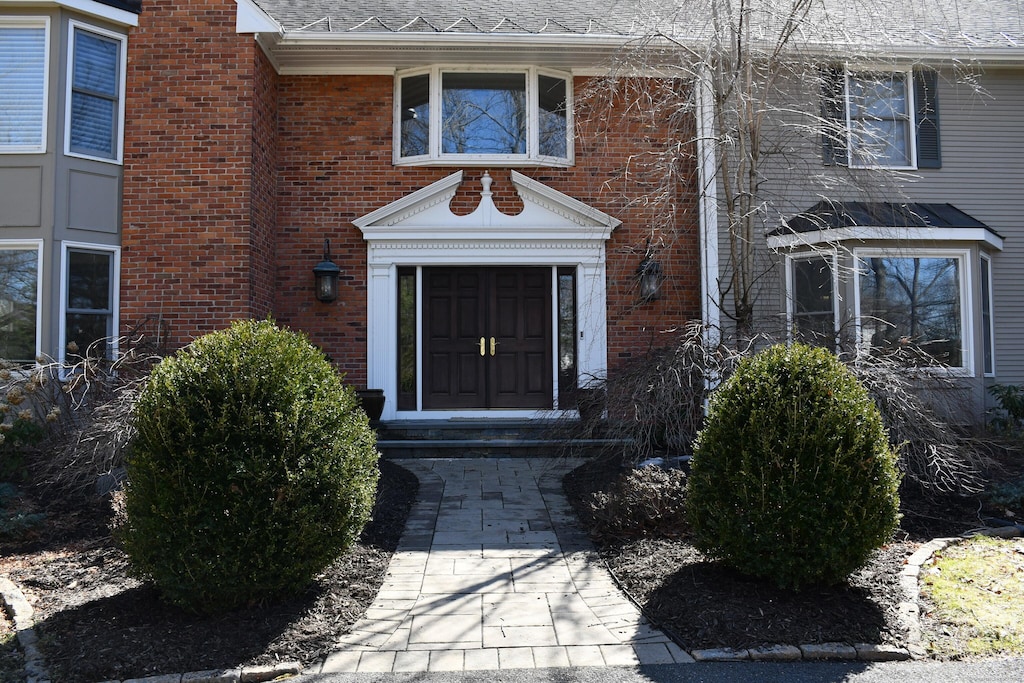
516,116
23,67
881,118
96,84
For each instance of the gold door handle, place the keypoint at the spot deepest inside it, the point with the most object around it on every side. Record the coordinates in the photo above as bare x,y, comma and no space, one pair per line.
483,347
493,344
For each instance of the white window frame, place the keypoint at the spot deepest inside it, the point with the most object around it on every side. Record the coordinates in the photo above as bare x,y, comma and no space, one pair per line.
853,159
29,245
985,275
44,23
122,82
833,259
532,157
966,299
115,298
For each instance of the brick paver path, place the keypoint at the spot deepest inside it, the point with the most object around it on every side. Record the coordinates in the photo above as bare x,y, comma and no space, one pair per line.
493,573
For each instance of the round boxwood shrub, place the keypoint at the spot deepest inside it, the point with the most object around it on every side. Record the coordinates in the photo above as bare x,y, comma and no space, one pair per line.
793,478
252,469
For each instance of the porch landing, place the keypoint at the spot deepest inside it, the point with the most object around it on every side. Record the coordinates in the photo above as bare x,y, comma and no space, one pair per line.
486,438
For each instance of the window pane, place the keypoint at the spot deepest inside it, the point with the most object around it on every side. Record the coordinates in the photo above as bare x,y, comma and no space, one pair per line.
89,280
407,339
18,300
94,95
880,119
483,113
912,303
552,117
415,115
90,333
813,317
986,315
92,129
566,337
22,86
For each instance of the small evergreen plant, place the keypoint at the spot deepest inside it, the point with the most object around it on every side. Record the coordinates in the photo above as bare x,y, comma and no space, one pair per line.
252,469
793,478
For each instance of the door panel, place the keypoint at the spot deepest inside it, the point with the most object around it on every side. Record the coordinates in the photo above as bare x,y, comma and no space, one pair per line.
509,306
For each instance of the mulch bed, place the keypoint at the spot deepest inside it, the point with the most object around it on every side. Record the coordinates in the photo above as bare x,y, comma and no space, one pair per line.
705,604
98,623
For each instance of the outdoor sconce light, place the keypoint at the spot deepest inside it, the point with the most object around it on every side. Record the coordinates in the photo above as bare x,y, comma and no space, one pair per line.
325,276
649,275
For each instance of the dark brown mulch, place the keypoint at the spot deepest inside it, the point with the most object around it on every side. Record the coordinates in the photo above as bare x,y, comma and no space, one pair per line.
97,623
705,604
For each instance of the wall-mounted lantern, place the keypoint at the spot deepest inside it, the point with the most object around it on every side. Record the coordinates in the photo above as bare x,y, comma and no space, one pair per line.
325,276
649,276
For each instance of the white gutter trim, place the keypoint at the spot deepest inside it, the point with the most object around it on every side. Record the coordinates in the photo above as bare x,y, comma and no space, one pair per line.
435,40
711,314
95,9
860,233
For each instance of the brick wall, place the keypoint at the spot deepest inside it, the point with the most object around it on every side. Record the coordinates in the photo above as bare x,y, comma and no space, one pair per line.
192,232
234,176
335,164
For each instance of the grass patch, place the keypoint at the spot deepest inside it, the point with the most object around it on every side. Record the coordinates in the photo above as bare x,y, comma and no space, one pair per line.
975,591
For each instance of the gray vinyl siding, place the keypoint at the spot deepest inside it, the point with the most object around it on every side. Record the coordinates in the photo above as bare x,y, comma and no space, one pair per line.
53,197
982,173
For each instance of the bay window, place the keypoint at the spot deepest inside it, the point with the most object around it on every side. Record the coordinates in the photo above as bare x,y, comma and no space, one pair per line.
914,300
813,314
465,116
96,83
89,301
20,267
23,68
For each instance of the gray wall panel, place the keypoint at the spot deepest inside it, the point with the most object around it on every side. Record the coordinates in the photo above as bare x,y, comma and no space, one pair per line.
21,197
93,201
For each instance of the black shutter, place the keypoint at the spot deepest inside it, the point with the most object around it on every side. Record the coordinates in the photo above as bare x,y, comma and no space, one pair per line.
929,152
833,116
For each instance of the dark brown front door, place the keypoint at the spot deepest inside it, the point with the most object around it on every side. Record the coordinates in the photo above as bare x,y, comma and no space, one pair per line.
487,338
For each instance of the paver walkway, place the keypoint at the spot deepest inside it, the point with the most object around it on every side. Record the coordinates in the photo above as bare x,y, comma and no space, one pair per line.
493,573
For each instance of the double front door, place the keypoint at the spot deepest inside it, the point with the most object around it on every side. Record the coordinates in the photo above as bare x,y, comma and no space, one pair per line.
487,340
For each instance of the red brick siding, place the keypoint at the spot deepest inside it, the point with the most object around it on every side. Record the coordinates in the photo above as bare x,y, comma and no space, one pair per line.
188,210
335,164
235,175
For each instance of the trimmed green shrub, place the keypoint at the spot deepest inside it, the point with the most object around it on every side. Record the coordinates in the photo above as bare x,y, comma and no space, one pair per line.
252,469
793,478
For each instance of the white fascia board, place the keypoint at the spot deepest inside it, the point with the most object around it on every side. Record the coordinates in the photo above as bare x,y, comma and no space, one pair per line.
93,9
251,18
440,41
860,234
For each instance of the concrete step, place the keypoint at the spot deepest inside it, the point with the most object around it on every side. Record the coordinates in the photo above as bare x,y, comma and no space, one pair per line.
485,439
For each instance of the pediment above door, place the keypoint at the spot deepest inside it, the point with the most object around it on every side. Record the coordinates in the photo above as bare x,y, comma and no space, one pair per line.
547,214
